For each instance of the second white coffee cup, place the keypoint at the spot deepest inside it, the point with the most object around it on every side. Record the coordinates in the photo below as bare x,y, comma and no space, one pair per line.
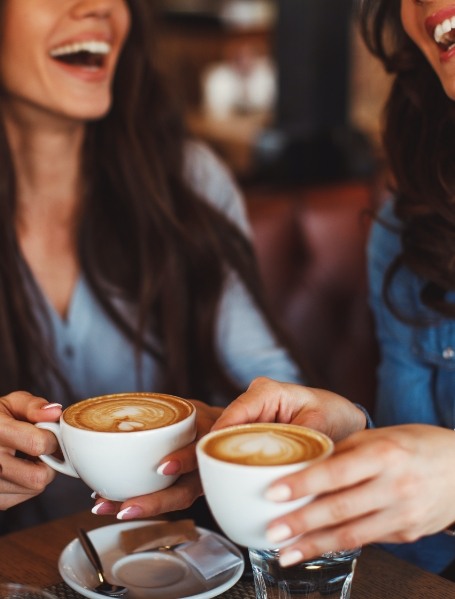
238,464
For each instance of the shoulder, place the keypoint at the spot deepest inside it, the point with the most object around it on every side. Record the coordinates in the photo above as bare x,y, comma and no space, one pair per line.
384,246
201,163
212,180
385,243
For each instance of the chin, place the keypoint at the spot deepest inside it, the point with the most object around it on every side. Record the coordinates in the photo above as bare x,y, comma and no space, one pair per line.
90,111
96,116
449,90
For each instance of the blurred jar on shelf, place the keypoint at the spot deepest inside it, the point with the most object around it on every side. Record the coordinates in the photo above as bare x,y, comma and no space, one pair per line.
244,83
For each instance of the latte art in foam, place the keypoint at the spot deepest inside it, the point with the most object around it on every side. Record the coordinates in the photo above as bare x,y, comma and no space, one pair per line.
127,412
265,445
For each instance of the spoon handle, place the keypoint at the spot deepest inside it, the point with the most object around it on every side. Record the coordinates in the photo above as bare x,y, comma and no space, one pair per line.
91,552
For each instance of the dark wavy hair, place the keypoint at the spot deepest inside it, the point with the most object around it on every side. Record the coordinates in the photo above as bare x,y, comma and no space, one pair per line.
143,232
419,128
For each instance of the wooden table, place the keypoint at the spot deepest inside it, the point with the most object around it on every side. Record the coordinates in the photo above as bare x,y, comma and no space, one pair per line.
31,556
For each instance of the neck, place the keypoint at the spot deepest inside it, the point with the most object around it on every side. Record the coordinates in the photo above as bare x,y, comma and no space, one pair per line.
47,162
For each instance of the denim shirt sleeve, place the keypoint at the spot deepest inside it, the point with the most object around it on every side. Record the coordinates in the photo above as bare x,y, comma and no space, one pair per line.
416,373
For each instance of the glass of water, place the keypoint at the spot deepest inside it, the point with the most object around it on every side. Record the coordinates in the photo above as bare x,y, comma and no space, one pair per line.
328,576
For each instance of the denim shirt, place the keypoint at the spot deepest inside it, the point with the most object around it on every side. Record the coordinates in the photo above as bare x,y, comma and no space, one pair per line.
416,373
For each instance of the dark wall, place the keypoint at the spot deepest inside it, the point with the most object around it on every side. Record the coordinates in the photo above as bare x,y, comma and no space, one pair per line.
312,51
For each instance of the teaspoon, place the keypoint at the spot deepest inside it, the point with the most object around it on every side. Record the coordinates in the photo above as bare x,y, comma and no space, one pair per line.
105,587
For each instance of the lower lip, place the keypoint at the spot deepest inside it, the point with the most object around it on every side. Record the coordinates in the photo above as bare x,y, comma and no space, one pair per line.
446,56
88,74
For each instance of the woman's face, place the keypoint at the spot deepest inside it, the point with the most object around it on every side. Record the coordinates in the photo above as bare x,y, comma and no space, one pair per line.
431,25
59,56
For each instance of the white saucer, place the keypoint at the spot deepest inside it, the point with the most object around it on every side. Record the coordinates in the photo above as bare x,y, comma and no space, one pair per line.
151,575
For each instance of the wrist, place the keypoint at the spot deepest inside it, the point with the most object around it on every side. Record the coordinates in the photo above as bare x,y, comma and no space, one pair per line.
369,421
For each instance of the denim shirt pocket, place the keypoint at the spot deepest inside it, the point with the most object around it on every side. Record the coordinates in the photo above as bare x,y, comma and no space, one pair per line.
435,345
432,343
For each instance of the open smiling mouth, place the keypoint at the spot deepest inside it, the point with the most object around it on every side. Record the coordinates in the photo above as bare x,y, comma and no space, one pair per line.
90,54
444,34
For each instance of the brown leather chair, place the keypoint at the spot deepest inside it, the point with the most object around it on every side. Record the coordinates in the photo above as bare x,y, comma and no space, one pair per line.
311,249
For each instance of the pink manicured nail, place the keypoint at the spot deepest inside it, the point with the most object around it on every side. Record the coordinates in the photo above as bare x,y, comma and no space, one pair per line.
291,558
134,511
169,468
279,533
278,493
104,508
96,508
48,406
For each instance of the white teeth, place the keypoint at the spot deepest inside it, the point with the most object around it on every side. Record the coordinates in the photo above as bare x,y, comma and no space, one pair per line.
437,34
445,27
92,46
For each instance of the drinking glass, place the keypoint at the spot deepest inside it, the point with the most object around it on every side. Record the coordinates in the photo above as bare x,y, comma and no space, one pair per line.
328,576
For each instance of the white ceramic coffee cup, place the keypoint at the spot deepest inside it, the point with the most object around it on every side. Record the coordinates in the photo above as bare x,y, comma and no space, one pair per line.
120,465
235,492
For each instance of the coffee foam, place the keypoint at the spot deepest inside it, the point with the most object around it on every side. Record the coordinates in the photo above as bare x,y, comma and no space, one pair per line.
265,445
126,413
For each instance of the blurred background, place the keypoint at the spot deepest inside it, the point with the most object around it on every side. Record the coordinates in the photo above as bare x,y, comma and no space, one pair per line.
263,78
285,92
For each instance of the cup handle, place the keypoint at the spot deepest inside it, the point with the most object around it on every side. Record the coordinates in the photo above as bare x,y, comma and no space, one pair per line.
64,465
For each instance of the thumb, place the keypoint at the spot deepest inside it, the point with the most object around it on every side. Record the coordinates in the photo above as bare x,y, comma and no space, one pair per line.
261,402
25,406
236,413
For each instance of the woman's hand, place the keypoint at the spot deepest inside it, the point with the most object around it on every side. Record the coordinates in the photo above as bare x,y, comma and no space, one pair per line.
392,484
180,495
23,477
271,401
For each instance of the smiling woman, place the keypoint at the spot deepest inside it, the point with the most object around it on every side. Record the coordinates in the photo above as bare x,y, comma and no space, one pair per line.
412,277
126,263
35,72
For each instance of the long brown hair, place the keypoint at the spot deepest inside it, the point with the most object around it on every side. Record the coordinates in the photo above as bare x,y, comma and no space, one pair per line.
419,128
143,233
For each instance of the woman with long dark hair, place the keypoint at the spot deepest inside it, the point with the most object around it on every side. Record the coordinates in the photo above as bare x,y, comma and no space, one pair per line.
125,258
394,484
411,250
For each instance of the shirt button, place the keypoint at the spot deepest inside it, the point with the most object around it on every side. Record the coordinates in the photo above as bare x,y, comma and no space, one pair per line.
448,353
69,351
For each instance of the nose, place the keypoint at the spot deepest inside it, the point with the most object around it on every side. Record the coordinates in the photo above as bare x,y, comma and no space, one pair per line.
94,8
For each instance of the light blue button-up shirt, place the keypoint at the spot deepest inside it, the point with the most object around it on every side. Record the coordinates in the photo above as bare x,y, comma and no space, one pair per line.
97,358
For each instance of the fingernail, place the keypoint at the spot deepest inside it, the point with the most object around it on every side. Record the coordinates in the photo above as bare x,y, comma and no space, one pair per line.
169,468
278,533
97,508
134,511
278,493
48,406
94,495
290,558
104,508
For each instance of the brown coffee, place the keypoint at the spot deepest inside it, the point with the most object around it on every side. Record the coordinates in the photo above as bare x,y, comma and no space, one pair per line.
127,412
266,444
